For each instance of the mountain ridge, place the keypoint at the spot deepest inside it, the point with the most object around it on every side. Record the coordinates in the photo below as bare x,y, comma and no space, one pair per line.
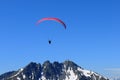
66,70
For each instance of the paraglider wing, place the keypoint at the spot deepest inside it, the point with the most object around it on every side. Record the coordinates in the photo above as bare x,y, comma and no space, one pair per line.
50,18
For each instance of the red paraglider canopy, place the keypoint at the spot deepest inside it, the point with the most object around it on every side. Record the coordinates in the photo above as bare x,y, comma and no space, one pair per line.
51,18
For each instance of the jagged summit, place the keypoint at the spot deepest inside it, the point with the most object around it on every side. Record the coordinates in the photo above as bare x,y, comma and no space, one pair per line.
67,70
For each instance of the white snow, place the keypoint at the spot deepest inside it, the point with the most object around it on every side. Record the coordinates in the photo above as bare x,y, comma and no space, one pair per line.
17,73
41,73
43,78
24,76
18,78
70,75
87,73
32,76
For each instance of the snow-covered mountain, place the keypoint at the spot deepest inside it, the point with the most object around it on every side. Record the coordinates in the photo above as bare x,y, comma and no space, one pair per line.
67,70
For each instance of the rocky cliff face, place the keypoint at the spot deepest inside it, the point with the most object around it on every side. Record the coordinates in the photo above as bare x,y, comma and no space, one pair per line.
67,70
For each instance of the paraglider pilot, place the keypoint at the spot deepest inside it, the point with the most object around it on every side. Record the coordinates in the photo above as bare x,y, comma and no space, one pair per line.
49,41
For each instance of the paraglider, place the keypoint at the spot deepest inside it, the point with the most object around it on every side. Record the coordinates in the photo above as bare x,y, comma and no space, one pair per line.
51,18
54,19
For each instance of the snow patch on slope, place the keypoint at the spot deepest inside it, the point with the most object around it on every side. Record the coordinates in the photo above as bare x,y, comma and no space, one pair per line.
85,72
43,78
70,75
17,73
18,78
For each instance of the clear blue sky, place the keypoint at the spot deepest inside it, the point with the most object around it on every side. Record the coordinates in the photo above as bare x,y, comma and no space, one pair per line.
92,37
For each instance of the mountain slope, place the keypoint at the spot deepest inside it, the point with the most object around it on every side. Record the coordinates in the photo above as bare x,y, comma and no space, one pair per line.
67,70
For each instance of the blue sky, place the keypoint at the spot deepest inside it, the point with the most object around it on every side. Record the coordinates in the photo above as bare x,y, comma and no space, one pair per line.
92,37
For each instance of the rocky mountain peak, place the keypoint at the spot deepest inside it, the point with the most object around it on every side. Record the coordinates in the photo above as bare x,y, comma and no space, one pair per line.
67,70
